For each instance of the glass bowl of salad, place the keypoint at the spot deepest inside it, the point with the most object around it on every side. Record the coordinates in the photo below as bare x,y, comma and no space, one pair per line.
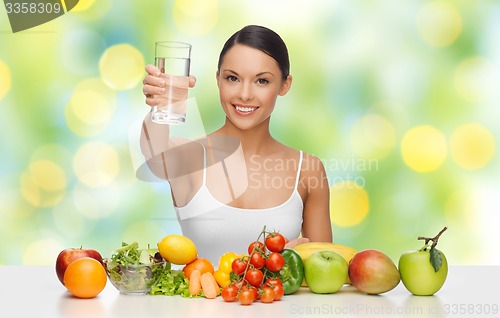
134,271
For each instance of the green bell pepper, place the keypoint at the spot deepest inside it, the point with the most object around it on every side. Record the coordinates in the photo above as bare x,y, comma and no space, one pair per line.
292,273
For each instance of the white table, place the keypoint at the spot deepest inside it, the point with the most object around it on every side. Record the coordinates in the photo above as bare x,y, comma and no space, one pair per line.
35,291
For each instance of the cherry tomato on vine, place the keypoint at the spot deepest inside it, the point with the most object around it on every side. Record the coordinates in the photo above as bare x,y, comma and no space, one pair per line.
254,277
278,291
254,292
257,260
259,246
238,266
275,262
239,284
275,242
246,297
266,295
229,293
274,281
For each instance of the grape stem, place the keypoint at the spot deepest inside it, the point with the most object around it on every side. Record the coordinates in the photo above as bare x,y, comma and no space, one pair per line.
433,239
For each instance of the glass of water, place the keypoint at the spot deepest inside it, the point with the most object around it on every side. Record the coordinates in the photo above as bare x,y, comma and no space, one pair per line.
173,59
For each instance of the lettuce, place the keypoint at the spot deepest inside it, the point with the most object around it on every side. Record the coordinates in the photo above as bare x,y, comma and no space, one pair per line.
172,282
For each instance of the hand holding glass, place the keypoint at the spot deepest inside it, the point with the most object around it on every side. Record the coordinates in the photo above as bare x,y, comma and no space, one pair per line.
173,59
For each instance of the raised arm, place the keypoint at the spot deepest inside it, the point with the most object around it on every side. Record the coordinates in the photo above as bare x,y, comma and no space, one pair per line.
155,138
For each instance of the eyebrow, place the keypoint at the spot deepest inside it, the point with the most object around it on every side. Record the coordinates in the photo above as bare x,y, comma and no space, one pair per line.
258,74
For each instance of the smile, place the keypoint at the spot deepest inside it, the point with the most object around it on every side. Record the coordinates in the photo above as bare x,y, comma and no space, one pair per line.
245,109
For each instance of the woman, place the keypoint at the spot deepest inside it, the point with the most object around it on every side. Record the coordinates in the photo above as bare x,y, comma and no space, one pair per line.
227,186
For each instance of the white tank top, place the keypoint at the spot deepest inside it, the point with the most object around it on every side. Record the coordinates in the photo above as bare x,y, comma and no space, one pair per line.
216,228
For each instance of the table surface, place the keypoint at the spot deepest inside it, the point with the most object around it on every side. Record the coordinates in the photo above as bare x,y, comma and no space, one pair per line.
35,291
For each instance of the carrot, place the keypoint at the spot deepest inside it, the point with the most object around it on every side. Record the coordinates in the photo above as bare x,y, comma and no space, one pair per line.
209,285
195,282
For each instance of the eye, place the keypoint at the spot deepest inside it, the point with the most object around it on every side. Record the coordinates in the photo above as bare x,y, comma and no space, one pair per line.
231,78
262,81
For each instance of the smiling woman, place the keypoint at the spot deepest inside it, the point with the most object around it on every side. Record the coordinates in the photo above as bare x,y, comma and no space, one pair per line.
215,200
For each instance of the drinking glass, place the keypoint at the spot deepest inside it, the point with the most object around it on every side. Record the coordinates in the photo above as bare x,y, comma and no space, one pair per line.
173,59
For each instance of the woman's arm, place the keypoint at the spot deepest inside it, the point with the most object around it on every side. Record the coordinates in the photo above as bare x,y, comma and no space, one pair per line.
155,139
154,143
316,224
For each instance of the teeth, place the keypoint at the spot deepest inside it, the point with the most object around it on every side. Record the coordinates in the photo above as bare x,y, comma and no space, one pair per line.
245,109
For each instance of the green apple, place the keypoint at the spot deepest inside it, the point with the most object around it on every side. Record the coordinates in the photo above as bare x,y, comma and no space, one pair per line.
325,272
424,272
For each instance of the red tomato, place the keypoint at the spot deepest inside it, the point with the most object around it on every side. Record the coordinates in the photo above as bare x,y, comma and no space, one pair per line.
266,295
257,260
278,291
254,277
230,293
275,242
246,297
238,266
275,262
259,246
274,281
253,290
239,284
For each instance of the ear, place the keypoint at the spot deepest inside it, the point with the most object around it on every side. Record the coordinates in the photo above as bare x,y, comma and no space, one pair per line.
285,86
217,77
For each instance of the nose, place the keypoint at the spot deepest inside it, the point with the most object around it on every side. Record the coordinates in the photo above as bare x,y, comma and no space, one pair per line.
246,92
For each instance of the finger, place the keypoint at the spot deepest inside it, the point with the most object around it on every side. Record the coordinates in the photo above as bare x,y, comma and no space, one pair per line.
154,81
150,100
153,90
192,81
152,70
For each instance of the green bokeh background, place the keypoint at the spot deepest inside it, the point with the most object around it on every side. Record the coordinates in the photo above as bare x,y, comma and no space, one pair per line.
365,73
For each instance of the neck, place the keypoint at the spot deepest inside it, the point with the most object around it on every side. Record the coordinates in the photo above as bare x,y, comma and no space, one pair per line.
253,141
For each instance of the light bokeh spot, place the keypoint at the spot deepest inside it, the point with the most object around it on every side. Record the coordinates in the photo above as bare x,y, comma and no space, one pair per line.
90,107
6,81
476,79
96,164
196,17
472,146
43,184
47,175
439,23
423,148
13,206
349,204
122,66
372,136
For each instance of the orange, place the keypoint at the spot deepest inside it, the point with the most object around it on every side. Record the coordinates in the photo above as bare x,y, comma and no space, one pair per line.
85,277
201,264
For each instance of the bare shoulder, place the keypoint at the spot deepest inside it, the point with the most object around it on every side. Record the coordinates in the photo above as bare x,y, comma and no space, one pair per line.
312,164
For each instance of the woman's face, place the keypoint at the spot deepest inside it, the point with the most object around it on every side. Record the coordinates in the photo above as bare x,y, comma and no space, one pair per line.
249,82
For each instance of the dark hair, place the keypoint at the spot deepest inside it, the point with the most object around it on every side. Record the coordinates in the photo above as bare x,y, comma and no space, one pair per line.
261,38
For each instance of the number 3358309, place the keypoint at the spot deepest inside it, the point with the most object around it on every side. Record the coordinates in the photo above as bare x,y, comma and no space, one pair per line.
477,309
32,8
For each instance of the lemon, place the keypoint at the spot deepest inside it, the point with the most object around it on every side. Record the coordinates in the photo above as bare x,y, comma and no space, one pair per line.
177,249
